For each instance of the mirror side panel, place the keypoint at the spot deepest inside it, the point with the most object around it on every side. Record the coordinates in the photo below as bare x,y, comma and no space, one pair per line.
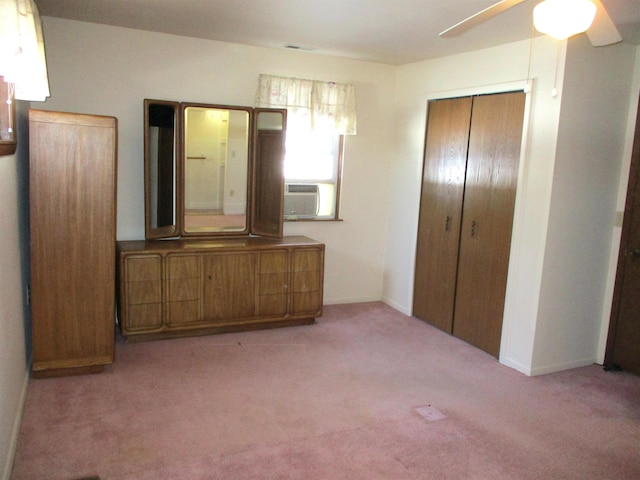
161,169
269,136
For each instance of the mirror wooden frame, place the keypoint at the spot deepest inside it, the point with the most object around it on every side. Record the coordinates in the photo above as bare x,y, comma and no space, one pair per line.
152,229
186,159
265,175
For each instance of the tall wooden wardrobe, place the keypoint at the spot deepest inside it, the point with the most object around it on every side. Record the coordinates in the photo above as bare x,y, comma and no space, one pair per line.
72,192
472,151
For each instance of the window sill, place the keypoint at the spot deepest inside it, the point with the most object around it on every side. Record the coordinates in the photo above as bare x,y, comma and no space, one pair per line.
294,220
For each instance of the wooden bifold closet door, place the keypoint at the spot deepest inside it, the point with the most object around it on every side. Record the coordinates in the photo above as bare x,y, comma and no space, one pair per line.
472,151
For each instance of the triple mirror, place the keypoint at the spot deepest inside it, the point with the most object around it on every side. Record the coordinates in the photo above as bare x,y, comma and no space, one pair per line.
212,170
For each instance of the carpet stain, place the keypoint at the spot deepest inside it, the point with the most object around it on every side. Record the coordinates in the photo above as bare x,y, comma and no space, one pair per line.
430,413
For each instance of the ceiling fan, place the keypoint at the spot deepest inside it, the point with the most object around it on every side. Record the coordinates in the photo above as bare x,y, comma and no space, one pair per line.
598,25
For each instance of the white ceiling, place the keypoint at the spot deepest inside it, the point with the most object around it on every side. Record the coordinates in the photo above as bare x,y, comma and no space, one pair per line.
394,32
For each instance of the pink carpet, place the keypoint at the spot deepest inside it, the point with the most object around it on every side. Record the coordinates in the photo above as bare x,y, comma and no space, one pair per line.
194,221
334,400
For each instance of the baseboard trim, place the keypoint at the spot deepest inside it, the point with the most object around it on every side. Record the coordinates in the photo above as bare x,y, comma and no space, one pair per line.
342,301
13,443
507,362
546,369
396,306
559,367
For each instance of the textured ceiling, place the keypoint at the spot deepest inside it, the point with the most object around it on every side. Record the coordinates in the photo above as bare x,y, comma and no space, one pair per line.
394,32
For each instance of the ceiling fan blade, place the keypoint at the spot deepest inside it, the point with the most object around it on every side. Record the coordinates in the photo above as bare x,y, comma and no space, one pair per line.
480,17
603,31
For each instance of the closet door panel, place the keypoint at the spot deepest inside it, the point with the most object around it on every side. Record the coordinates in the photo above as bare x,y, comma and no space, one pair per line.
443,178
485,241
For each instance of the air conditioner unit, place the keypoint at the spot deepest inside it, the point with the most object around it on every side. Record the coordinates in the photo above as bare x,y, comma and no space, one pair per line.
301,200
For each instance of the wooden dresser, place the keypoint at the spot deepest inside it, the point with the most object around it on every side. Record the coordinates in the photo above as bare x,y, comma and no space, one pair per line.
72,194
172,288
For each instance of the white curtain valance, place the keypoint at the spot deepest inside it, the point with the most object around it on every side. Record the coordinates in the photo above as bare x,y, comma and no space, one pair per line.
326,104
22,58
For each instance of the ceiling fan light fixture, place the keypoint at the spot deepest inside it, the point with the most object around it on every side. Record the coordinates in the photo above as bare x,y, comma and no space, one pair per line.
563,18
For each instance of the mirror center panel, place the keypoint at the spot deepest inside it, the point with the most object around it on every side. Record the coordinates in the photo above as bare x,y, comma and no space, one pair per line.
216,145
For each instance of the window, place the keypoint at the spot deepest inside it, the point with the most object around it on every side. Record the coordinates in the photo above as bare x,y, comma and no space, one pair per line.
312,171
23,69
319,115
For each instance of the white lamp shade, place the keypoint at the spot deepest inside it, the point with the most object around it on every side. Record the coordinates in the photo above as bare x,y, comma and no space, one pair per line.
22,56
563,18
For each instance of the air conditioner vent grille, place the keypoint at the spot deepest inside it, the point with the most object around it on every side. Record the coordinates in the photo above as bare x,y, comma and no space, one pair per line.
302,188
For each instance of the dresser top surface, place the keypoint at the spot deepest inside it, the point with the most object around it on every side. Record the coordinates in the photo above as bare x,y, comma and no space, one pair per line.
186,245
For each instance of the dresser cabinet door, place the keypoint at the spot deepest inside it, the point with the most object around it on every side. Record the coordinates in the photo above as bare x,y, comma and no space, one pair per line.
229,291
306,292
184,301
142,293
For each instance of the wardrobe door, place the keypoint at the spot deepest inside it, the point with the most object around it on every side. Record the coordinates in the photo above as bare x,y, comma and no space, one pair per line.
485,239
443,177
72,186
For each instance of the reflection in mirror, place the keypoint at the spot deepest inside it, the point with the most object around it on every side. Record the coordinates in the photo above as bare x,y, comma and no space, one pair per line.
269,144
7,119
273,121
161,167
216,153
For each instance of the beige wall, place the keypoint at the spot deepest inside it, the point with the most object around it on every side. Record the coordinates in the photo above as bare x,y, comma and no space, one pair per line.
107,70
590,152
560,251
496,69
13,352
